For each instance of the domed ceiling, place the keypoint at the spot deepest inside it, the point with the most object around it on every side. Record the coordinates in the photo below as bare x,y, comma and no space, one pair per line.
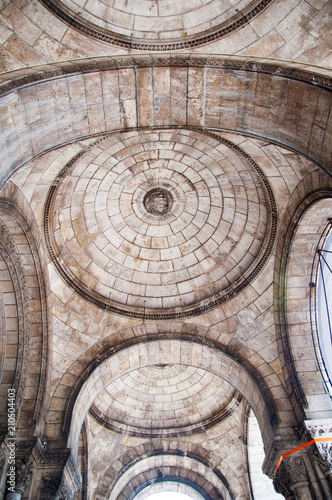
165,400
156,24
160,224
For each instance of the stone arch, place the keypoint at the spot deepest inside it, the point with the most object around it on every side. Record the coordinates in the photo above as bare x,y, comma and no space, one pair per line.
65,394
191,91
298,278
24,337
166,351
170,467
157,455
301,230
160,487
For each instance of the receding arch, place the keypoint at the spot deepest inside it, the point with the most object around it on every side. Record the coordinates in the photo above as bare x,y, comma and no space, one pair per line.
161,453
166,351
169,466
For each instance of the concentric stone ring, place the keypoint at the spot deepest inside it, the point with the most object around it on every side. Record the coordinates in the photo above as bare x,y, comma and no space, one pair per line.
162,224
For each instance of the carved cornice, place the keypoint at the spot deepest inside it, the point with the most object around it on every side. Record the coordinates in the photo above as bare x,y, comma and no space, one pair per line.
50,458
77,22
186,430
275,451
22,77
319,427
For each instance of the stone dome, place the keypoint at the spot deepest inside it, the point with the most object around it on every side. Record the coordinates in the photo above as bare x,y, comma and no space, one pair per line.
151,223
165,400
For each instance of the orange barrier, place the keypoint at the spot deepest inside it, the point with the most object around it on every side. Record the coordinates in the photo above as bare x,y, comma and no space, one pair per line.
298,448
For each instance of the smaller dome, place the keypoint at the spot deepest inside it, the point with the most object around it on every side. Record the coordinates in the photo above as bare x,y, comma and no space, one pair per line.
164,400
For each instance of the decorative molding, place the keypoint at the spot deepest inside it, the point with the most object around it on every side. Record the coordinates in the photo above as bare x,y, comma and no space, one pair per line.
77,22
178,312
85,466
50,458
73,472
187,430
18,78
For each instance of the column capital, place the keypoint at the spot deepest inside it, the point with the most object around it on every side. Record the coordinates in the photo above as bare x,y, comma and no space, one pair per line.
291,477
277,448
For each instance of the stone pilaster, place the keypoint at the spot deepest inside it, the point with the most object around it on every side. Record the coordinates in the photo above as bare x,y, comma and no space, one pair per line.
56,474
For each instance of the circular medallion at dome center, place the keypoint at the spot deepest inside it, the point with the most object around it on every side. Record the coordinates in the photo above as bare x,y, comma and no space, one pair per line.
159,224
158,201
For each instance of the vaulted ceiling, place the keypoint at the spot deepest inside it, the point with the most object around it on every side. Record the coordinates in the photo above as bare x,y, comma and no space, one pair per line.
158,160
